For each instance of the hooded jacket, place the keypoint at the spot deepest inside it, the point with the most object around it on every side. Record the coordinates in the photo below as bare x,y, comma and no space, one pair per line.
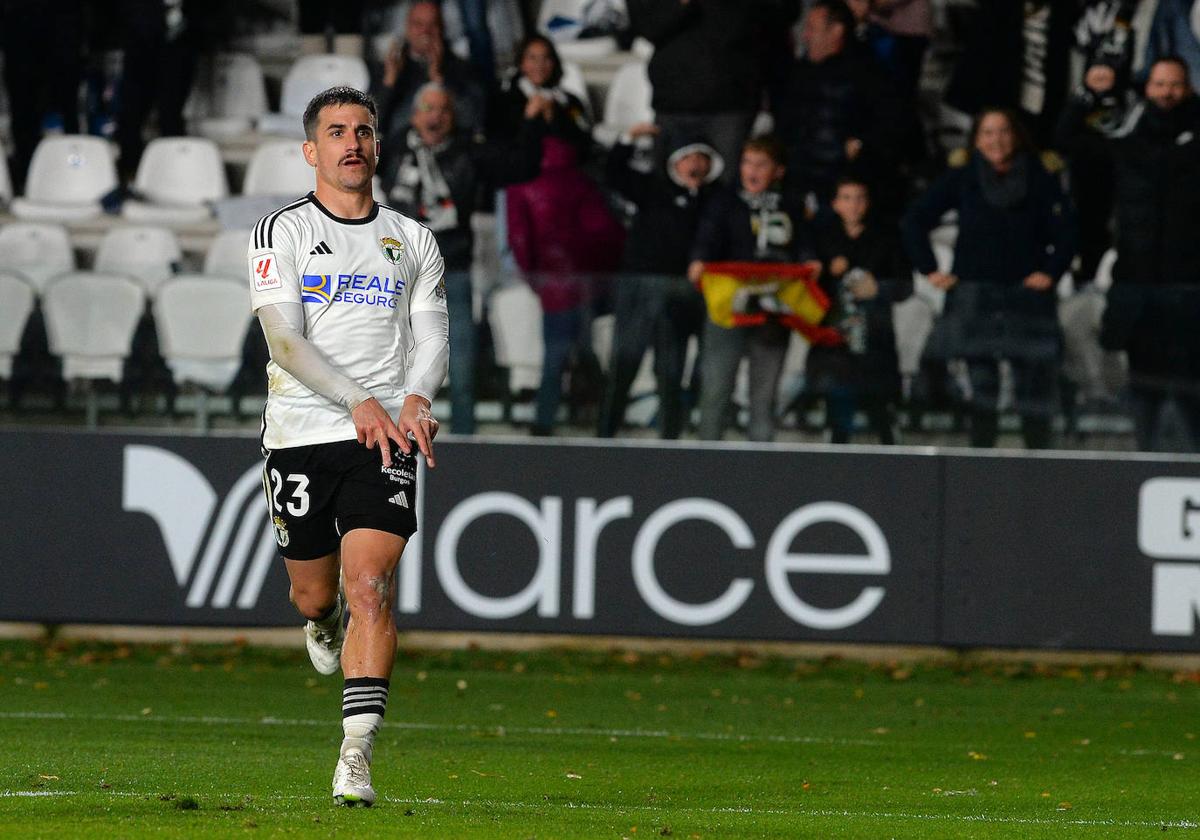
560,227
668,213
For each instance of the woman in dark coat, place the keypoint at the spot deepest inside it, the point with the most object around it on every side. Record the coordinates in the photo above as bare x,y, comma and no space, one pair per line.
1016,237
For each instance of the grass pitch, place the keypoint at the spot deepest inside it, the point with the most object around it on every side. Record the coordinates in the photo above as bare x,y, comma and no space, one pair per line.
119,741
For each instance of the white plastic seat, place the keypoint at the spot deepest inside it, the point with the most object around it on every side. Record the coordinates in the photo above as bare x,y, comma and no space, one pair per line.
562,20
307,77
149,255
6,189
37,251
627,103
202,323
226,255
278,168
68,176
16,304
179,177
234,96
90,321
516,319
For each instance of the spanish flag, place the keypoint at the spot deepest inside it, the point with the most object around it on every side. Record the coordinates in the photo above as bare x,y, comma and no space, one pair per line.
746,294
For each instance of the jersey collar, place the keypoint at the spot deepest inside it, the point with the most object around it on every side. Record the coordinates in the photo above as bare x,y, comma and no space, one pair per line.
365,220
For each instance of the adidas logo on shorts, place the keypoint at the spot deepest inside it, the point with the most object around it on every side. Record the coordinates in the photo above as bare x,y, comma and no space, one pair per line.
399,499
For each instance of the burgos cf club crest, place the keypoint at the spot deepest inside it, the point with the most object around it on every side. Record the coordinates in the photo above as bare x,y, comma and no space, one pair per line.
393,249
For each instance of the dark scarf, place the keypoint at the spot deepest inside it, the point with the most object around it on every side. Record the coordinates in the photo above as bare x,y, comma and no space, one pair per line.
1006,191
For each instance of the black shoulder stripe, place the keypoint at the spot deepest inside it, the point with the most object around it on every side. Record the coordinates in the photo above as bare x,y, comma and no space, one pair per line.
262,231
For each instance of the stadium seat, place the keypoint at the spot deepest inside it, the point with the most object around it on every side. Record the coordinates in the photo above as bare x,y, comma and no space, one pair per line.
627,103
278,168
16,304
37,251
562,21
6,189
90,320
228,97
226,255
148,255
516,320
68,176
307,77
202,322
179,177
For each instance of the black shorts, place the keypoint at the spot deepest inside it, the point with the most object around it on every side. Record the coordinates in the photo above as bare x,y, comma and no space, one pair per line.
318,493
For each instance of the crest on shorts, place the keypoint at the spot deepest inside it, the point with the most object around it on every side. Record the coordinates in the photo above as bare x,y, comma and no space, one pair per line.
393,249
281,532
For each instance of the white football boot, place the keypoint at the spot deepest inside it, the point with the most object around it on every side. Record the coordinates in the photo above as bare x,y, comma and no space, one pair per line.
352,780
324,643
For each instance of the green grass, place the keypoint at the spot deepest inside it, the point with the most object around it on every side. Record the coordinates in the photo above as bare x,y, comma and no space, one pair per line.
215,741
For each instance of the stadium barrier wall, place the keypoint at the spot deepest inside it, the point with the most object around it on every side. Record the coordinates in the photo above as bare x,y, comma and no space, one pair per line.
736,541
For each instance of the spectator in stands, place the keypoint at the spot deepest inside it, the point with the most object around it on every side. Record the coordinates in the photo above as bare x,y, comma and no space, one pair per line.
1154,304
833,112
425,57
753,224
1017,55
437,177
561,233
1016,237
159,65
43,64
864,272
1108,52
535,84
710,64
655,304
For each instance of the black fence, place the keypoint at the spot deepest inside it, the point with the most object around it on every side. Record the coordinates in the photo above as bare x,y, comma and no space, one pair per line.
900,545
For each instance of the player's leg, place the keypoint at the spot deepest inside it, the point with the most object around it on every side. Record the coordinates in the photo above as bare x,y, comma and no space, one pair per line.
369,560
375,513
300,492
314,592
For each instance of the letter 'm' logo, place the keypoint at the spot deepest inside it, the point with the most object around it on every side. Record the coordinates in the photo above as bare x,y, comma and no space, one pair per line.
232,545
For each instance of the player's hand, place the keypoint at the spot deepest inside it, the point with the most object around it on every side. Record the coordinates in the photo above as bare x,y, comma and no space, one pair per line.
695,271
838,266
375,428
417,420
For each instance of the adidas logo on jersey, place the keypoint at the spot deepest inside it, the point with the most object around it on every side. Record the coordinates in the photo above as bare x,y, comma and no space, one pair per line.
320,249
399,499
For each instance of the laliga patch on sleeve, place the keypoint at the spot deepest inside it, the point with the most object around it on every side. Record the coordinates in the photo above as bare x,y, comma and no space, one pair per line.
265,270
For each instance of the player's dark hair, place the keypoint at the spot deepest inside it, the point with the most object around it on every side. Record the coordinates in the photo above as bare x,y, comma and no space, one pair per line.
770,146
336,96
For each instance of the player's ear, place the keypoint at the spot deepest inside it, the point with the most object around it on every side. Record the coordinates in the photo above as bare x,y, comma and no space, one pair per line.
310,152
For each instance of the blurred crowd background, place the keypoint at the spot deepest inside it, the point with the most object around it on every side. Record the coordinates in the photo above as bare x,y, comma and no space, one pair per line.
947,221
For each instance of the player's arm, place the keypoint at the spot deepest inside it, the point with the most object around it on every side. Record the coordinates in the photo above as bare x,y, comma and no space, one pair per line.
283,325
427,365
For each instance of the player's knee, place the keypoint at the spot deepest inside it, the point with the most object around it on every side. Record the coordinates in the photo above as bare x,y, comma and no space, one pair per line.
369,595
312,600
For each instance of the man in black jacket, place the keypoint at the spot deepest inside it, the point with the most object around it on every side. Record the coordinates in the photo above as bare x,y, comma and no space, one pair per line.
438,176
656,305
834,113
710,61
1154,304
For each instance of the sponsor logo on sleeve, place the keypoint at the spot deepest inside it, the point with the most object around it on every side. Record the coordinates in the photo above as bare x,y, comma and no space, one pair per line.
265,270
